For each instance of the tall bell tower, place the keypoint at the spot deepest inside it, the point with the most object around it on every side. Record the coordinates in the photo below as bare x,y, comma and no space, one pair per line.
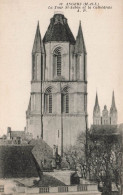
57,108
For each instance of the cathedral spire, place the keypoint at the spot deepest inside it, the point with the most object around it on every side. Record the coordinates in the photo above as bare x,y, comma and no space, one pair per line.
113,106
80,44
38,45
96,102
96,112
113,111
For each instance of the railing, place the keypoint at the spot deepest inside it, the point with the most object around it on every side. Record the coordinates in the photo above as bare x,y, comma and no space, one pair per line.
43,190
59,189
82,187
63,189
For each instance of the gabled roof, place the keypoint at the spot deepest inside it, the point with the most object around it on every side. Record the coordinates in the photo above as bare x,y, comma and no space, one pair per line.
80,44
58,30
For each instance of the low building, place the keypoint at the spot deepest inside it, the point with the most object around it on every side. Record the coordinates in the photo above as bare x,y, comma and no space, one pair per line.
17,137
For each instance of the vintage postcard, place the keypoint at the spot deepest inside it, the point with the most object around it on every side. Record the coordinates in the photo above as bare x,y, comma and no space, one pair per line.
61,107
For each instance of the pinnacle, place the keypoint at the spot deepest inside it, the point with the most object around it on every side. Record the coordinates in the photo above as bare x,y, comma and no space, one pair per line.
113,106
80,44
38,45
96,100
96,103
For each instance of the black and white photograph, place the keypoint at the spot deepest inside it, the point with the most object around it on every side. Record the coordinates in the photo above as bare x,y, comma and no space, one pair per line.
61,100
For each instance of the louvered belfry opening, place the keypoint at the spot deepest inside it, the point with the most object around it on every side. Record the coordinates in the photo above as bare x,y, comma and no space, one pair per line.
57,61
65,100
50,103
59,64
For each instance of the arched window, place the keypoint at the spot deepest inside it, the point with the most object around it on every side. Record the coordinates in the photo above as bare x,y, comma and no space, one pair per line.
48,100
65,100
57,62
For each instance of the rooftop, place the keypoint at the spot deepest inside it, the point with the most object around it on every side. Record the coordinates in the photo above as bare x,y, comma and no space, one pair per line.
59,30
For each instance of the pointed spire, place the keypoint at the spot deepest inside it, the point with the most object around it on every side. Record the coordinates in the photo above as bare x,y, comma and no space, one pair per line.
96,106
80,44
113,99
96,100
38,45
113,111
113,106
29,108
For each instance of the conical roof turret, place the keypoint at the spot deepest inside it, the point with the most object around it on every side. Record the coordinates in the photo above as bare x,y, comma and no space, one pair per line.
80,44
38,44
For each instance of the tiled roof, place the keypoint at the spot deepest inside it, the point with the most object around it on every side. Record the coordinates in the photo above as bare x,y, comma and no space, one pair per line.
17,161
18,134
42,152
24,161
104,129
59,30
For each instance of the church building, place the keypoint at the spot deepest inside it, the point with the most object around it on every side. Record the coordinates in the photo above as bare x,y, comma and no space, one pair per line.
107,118
57,109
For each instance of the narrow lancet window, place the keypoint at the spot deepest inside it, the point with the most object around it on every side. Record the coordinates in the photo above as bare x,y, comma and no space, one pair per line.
48,100
57,62
65,101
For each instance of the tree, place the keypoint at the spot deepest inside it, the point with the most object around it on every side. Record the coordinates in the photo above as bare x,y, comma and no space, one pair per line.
97,157
104,159
76,157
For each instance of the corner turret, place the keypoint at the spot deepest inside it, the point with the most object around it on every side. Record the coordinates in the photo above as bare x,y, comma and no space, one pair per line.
80,44
38,45
80,56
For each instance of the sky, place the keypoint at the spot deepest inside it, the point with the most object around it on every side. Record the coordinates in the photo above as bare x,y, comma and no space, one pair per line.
103,31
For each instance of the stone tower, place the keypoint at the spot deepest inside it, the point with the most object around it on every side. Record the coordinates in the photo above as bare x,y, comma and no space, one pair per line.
96,112
34,111
105,116
113,111
57,109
